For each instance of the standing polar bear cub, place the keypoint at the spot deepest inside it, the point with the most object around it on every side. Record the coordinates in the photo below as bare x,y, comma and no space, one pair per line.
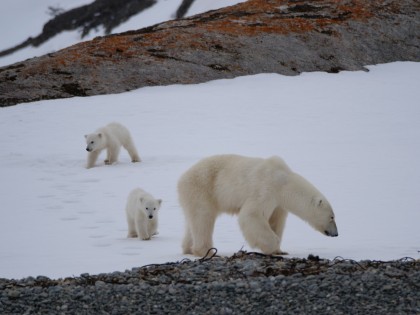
142,214
260,191
111,137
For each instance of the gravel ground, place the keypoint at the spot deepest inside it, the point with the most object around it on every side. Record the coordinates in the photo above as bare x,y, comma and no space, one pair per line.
246,283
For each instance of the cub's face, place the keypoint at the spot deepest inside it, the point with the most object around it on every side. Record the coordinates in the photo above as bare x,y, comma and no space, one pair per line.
93,141
150,207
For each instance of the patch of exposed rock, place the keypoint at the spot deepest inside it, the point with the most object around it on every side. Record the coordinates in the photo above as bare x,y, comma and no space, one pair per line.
286,37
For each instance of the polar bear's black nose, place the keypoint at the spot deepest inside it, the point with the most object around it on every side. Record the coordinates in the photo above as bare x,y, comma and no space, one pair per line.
150,217
87,149
333,234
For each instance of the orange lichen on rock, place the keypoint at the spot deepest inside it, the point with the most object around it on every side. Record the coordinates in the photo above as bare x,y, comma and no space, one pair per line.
282,17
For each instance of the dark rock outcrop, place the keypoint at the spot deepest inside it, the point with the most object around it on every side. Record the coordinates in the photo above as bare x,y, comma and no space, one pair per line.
286,37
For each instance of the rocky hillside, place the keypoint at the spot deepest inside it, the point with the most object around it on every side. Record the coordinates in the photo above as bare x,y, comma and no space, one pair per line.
287,37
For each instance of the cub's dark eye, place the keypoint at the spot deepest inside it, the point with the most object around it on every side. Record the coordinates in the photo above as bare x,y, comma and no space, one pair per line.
147,208
91,142
154,208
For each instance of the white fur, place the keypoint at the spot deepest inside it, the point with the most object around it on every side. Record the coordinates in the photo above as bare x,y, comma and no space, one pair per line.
111,137
260,191
142,214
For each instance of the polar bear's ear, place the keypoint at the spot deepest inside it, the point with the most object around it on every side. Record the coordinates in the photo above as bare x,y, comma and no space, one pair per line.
100,135
141,199
159,202
317,201
86,136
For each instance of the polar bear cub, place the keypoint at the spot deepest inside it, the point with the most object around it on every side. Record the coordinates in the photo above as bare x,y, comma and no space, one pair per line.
111,137
142,214
260,191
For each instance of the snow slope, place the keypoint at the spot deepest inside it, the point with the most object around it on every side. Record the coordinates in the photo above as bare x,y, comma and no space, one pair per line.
355,135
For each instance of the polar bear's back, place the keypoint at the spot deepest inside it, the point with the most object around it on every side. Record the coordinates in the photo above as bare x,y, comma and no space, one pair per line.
133,200
116,131
225,181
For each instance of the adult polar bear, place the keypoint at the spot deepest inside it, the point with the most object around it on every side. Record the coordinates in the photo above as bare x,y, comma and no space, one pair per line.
260,191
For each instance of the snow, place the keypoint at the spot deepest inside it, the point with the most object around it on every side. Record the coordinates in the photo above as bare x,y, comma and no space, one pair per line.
355,135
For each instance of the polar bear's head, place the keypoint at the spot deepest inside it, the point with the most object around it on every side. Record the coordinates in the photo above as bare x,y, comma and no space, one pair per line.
94,141
305,201
150,206
323,218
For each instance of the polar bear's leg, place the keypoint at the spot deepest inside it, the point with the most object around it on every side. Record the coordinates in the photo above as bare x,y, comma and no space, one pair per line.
277,222
141,229
257,230
131,228
108,157
92,157
131,149
112,154
202,225
187,242
153,228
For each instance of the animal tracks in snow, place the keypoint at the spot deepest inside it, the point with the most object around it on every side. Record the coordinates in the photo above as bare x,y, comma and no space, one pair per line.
89,227
97,235
69,218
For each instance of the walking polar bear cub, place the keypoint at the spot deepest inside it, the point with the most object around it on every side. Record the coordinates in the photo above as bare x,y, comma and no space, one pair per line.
111,137
260,191
142,214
